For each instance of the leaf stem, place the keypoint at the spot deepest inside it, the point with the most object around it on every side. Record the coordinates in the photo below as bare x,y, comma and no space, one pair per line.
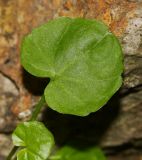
35,113
38,107
11,154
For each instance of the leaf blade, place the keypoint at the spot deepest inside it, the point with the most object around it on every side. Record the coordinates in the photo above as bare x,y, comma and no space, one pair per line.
38,141
84,51
70,153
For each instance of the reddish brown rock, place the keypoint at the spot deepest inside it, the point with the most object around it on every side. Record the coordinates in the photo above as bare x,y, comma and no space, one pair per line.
19,17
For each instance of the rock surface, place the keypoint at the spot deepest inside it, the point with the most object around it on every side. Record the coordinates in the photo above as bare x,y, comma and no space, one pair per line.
5,145
8,94
17,96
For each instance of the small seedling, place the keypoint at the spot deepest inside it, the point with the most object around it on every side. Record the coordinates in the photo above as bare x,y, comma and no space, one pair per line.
83,60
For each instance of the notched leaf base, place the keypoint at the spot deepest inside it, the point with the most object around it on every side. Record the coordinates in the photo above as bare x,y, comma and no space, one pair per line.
83,60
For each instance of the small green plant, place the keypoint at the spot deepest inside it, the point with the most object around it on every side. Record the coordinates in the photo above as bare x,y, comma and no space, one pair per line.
84,63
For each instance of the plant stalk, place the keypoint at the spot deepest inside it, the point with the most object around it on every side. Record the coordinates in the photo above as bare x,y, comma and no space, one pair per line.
34,116
11,154
37,109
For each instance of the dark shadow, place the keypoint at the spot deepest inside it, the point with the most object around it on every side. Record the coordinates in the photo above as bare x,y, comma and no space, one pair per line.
89,129
79,132
126,91
34,84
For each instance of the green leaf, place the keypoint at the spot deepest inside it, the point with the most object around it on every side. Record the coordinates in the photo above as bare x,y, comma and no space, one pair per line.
35,139
69,153
82,59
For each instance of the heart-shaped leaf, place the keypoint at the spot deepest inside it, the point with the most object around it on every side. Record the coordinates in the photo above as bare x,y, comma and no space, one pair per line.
35,139
82,59
69,153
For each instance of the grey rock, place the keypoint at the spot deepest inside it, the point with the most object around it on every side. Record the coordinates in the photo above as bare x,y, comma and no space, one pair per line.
133,71
5,146
132,39
8,94
128,125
